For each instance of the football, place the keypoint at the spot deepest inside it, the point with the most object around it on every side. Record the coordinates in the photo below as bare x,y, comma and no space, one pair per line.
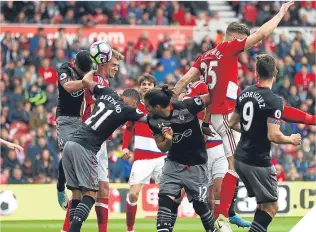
100,52
8,203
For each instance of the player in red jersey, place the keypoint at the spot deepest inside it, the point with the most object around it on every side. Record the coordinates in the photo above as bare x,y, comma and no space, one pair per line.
148,159
219,66
103,73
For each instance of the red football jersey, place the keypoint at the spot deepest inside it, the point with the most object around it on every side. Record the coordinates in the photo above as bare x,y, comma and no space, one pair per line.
88,100
196,89
219,67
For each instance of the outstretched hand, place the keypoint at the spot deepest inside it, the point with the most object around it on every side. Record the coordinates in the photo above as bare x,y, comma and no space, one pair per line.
284,8
167,133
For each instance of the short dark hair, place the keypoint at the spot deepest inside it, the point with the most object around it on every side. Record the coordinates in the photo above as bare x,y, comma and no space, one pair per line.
147,77
240,28
159,96
83,61
265,66
132,93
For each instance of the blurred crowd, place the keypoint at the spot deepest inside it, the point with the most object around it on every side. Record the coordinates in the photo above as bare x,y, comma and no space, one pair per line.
29,94
302,13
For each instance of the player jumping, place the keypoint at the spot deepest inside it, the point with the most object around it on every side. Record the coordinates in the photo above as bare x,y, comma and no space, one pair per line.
70,98
148,159
219,66
80,160
176,129
104,72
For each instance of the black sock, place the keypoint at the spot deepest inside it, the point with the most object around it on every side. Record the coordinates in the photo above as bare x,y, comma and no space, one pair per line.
174,214
164,214
61,181
261,221
81,214
231,211
205,214
74,204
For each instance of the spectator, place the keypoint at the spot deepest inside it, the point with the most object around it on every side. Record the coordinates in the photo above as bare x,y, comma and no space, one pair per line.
250,13
284,47
264,13
69,17
16,97
28,170
36,96
190,51
4,176
293,175
280,173
169,63
44,165
293,99
132,20
144,41
188,19
51,97
301,164
99,17
16,177
116,168
303,61
144,56
308,12
38,117
145,20
159,73
18,114
286,21
302,78
160,19
10,162
34,43
60,58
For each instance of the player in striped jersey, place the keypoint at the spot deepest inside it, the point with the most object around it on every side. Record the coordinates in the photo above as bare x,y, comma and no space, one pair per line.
103,74
148,159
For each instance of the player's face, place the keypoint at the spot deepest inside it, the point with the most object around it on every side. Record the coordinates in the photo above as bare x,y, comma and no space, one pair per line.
130,101
145,86
111,68
157,110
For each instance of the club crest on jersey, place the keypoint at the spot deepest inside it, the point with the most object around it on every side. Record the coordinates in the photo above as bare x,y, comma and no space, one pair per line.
198,101
277,114
77,93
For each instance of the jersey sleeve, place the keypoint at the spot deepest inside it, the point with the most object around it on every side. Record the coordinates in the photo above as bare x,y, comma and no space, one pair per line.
274,109
194,105
197,63
154,127
64,75
236,46
98,89
135,115
196,89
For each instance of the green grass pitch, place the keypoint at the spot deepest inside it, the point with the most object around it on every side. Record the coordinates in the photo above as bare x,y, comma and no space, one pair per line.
280,224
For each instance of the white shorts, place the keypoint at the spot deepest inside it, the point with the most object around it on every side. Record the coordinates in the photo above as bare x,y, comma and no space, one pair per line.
143,170
230,137
217,163
103,163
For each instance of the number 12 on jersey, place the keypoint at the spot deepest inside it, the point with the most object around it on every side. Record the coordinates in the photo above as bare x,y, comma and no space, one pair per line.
210,77
98,122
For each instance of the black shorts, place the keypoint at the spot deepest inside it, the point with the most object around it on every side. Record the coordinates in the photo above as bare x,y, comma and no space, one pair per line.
260,182
193,179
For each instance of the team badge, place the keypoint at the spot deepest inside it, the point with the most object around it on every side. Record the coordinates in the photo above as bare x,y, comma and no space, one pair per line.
198,101
62,76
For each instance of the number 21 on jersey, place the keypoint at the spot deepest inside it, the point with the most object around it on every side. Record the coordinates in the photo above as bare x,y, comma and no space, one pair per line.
210,77
98,122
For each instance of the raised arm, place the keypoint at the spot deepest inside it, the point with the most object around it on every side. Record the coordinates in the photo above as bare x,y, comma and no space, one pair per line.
11,145
87,80
276,136
267,28
234,122
192,75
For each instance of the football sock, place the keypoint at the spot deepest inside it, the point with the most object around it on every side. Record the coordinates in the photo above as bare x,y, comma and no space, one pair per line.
131,209
174,214
164,214
261,221
73,206
205,214
231,211
81,214
61,177
67,221
216,208
102,211
227,192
